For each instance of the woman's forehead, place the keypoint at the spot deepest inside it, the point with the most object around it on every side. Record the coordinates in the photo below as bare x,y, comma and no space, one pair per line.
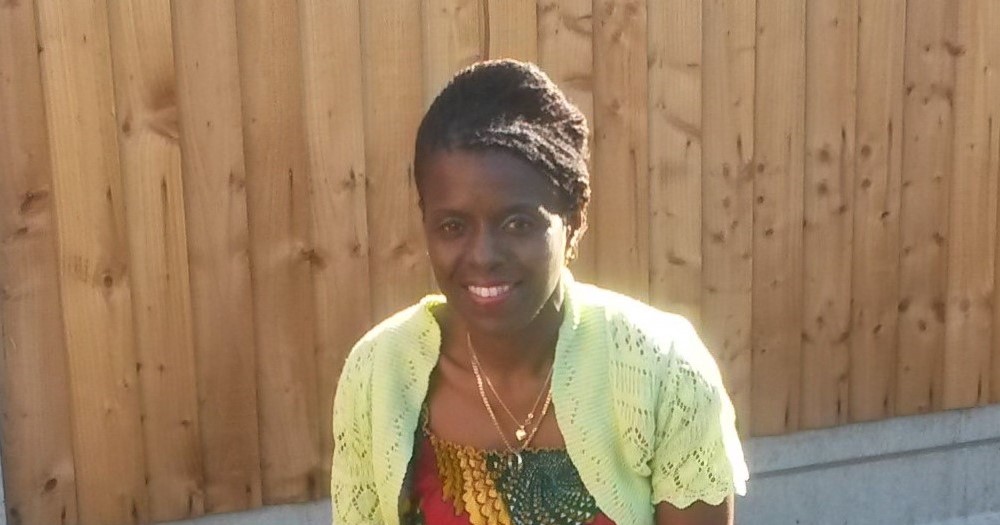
484,178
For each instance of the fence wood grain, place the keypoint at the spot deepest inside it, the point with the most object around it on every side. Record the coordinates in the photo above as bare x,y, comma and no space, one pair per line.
33,365
878,164
281,249
832,35
455,36
993,90
94,273
675,171
146,107
511,29
968,310
621,176
727,191
777,241
391,54
927,148
208,98
337,176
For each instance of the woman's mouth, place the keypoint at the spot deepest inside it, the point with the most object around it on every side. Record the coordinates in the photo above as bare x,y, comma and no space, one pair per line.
490,294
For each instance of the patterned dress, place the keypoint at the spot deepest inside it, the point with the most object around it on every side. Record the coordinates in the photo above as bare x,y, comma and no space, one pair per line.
453,484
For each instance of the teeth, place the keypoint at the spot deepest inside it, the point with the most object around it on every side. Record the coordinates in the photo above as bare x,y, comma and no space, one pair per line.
489,291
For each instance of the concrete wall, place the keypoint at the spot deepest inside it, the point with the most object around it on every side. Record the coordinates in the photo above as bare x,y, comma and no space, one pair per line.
939,469
936,469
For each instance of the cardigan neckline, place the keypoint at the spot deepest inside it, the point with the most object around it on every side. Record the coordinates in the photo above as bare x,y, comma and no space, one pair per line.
424,327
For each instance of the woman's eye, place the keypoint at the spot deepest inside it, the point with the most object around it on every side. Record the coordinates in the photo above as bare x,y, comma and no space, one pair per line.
450,227
519,225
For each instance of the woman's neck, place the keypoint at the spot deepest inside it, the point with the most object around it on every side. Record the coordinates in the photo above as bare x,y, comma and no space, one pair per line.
529,350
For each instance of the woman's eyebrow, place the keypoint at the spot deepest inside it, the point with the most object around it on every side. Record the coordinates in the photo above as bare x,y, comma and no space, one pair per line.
524,207
445,212
515,207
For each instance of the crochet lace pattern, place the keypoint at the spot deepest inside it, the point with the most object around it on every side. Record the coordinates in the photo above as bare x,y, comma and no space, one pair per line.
638,398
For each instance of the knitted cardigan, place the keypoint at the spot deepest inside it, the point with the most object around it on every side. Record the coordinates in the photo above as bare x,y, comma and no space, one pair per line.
638,399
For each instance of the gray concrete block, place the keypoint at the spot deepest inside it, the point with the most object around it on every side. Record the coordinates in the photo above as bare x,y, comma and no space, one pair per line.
313,513
933,469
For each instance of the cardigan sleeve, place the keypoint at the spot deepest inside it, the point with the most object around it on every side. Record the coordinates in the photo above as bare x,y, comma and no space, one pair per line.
696,453
352,484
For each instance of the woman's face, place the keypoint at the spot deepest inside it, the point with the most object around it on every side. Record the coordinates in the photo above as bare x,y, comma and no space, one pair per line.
496,240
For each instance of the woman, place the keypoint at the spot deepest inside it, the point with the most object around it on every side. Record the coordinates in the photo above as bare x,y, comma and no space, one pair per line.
520,396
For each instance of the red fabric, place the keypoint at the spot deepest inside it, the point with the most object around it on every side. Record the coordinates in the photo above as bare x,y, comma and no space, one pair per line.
429,492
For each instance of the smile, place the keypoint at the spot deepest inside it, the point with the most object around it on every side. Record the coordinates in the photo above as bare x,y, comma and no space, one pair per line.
489,292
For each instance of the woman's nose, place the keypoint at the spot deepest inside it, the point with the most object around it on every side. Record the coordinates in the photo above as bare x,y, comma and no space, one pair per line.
486,249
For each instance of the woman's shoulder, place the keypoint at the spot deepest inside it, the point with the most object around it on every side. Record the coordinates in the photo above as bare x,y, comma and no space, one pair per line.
645,335
628,317
413,325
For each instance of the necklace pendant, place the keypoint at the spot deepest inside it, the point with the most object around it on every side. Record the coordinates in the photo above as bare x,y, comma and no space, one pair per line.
520,434
515,462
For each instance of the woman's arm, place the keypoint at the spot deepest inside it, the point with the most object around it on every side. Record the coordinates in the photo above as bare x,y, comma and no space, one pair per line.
698,513
697,463
352,485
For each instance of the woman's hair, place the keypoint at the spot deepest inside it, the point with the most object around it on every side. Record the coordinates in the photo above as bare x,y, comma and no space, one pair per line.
515,107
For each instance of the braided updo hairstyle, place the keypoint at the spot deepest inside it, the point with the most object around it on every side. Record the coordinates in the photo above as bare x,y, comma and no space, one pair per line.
512,106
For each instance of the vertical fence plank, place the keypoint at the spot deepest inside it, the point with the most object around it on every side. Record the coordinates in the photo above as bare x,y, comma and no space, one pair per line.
208,96
727,162
968,316
993,90
37,445
777,247
927,148
878,164
391,52
565,32
337,174
831,53
93,251
143,59
454,37
675,132
281,249
511,29
620,223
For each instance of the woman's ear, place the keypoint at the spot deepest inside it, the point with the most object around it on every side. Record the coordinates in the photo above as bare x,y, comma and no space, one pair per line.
576,225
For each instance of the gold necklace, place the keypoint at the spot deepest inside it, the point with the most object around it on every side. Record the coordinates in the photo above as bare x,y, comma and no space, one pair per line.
515,452
521,433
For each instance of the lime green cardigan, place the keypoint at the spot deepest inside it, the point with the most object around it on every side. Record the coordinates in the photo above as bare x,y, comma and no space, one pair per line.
638,398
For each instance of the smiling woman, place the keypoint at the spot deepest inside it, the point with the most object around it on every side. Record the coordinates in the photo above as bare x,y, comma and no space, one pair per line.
520,396
497,238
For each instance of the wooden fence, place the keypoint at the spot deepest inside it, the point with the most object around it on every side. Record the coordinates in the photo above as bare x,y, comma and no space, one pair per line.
204,203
